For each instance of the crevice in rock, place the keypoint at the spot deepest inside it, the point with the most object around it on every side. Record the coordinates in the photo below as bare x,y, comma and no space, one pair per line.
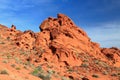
60,22
66,63
68,35
51,37
110,56
57,56
71,77
66,54
17,43
84,78
53,49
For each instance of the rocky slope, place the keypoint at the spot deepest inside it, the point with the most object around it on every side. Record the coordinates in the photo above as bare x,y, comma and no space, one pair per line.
60,51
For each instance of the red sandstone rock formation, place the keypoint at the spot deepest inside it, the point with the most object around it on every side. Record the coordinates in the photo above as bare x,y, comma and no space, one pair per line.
113,55
62,45
59,41
65,41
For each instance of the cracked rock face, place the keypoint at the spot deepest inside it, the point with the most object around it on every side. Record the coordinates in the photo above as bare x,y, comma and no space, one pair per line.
60,47
61,38
60,41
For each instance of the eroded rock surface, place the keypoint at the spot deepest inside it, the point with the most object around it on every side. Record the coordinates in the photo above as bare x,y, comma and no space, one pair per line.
62,49
65,40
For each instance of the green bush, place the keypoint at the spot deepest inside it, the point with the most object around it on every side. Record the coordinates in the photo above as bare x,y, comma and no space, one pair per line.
41,74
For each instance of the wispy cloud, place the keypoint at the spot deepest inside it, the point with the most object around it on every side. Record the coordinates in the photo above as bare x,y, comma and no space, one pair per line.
107,34
103,16
22,13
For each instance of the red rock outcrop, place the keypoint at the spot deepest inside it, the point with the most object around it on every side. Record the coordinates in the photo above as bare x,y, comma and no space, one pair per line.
59,41
61,38
113,55
9,33
25,40
63,48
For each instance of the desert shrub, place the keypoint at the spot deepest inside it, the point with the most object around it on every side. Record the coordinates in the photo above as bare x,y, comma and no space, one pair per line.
13,65
2,42
44,77
85,65
39,72
8,38
17,68
103,64
70,70
3,72
65,78
85,60
5,61
95,75
51,71
28,63
96,61
114,74
105,72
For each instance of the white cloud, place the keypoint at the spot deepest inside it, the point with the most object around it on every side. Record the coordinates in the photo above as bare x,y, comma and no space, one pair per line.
24,13
107,34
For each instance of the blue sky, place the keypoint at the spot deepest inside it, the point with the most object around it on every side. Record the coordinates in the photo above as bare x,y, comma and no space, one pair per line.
99,18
